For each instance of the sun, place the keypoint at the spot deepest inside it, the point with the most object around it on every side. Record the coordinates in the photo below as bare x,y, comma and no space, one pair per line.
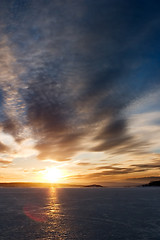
53,174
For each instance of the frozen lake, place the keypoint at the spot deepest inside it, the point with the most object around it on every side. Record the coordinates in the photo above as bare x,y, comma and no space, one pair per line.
80,213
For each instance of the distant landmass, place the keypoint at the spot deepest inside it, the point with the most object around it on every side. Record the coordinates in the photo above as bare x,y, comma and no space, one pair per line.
93,185
37,185
152,184
43,185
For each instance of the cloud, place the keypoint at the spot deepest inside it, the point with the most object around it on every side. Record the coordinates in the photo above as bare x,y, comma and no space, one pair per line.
115,171
72,70
148,166
145,179
3,147
83,163
106,173
5,161
12,127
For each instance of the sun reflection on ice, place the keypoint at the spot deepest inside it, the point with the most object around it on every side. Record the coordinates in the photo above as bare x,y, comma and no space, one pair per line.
53,204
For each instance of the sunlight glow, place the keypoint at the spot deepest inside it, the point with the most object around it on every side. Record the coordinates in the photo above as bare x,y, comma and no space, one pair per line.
53,174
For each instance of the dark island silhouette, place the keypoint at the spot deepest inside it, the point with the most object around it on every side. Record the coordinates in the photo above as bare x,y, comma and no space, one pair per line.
152,184
93,185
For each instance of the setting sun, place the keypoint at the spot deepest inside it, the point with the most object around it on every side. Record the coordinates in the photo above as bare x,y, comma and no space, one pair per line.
52,174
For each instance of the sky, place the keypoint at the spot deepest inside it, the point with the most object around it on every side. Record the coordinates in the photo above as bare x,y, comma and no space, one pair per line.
80,90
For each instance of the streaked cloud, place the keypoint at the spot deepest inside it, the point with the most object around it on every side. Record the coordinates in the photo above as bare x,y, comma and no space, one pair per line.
5,161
